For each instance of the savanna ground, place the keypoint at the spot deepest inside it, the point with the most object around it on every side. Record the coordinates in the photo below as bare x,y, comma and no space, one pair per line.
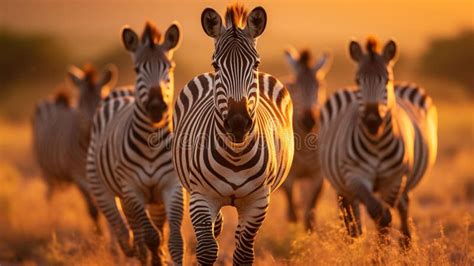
34,231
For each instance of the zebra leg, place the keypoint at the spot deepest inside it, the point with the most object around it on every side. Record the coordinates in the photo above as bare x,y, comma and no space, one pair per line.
218,224
174,204
144,234
202,216
377,211
92,209
106,202
351,215
158,215
315,193
251,217
288,188
403,211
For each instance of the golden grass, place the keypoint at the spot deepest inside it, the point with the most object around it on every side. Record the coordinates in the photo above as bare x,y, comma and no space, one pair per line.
36,232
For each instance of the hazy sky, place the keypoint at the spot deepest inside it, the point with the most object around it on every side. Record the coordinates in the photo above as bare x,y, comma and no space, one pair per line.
89,27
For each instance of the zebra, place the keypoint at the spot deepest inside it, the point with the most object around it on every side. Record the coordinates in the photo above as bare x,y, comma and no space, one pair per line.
61,132
308,92
129,156
233,142
379,138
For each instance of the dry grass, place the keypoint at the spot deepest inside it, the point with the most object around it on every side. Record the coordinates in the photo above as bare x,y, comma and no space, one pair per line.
36,232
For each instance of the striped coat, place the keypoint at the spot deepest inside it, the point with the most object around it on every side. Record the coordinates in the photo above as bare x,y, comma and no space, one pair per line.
233,140
61,133
378,138
308,92
129,155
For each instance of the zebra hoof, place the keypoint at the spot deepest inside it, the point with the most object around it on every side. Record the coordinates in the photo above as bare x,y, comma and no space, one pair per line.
385,219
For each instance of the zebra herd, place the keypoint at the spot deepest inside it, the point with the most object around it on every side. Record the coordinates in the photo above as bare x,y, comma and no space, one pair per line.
232,139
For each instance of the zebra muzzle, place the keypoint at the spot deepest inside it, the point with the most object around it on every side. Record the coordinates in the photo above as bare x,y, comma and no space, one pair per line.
373,121
237,127
155,105
307,120
238,121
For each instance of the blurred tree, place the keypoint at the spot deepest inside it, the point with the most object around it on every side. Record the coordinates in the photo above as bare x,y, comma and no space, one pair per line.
26,57
451,58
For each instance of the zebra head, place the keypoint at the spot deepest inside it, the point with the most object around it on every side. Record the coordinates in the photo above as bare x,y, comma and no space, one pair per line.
154,65
236,62
309,77
375,81
91,86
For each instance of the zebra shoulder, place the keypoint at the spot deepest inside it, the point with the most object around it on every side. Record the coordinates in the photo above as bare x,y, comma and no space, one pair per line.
414,94
274,90
337,102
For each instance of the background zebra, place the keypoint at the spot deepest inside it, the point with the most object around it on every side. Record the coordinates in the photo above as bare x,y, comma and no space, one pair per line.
308,92
130,152
234,139
377,139
61,132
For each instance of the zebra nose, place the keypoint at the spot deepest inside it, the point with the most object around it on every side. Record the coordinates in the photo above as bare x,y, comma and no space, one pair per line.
238,121
155,105
238,126
372,119
308,120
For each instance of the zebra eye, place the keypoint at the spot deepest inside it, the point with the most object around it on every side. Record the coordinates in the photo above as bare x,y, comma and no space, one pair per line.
136,69
357,81
215,65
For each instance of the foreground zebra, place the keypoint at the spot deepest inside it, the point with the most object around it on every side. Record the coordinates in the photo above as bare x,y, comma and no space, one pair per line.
308,92
377,139
61,132
233,140
130,152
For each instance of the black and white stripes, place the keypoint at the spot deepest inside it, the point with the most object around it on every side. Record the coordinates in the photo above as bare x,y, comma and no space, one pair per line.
130,152
61,132
378,138
233,140
308,92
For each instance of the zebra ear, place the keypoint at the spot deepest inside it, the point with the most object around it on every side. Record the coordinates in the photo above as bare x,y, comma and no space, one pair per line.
172,37
322,66
75,75
292,57
109,76
390,51
256,22
356,51
130,39
211,22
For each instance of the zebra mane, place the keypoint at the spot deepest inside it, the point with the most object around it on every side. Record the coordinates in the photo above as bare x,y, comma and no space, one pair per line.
62,98
372,46
236,16
151,33
305,57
